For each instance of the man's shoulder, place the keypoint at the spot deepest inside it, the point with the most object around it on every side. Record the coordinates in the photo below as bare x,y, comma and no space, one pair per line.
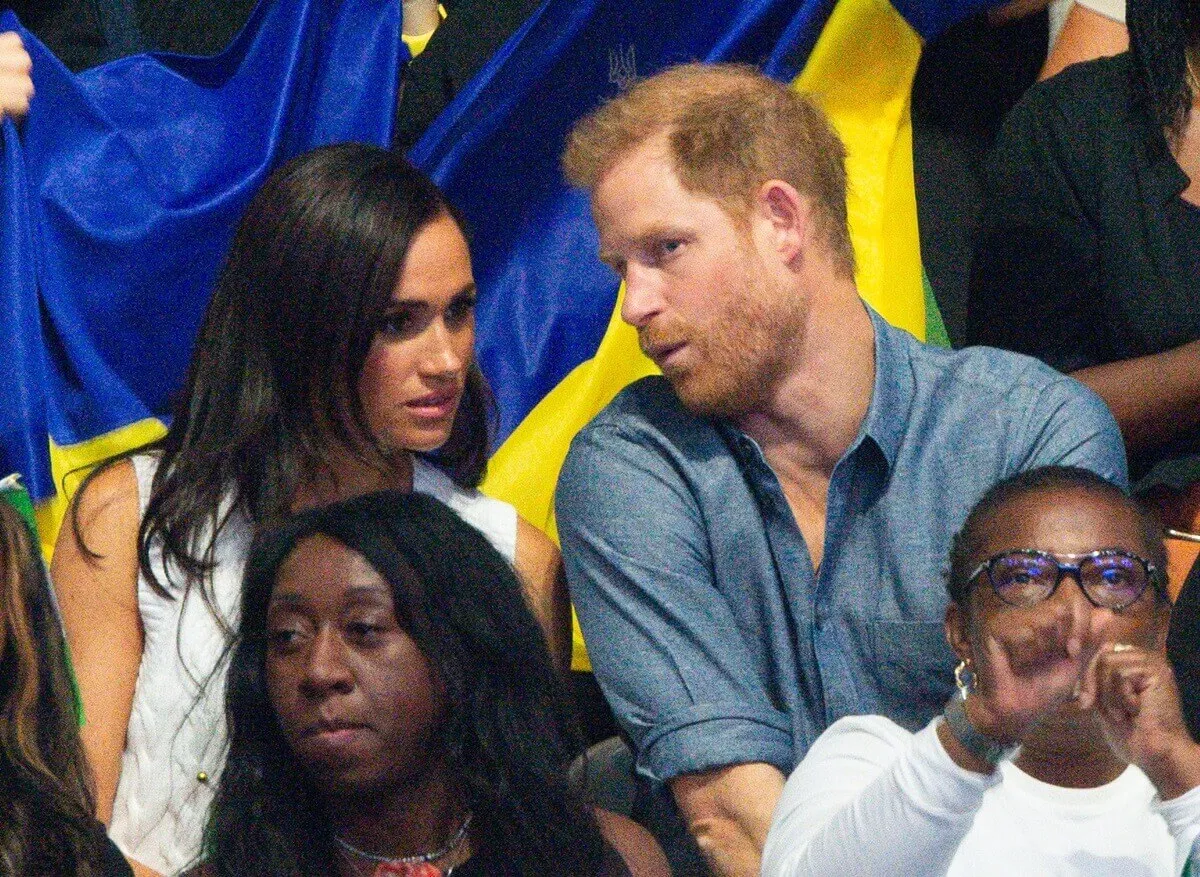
976,374
646,431
648,408
981,400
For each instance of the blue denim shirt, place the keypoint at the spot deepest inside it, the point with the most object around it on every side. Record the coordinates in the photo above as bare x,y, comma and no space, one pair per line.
708,630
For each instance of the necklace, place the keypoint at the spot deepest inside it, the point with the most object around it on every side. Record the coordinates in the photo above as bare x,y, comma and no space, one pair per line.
402,866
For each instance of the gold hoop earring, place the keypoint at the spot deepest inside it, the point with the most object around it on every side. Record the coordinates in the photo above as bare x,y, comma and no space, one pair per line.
964,678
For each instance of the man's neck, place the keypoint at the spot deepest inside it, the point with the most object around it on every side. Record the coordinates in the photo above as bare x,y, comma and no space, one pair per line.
818,408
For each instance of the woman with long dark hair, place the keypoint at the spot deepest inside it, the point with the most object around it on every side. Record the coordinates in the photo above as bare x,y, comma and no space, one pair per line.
393,710
1088,255
47,824
335,359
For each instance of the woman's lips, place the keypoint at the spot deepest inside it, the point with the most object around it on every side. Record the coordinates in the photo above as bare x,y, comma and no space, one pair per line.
434,405
326,739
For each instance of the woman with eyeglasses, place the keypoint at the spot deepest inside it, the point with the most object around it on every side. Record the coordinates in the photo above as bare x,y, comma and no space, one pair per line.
1064,751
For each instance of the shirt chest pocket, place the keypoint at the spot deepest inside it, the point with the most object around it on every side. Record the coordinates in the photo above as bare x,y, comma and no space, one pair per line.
914,670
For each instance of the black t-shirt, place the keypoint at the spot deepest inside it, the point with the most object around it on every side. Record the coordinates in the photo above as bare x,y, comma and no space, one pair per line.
1086,253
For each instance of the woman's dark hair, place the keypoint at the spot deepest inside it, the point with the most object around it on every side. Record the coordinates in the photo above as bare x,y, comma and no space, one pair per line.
968,542
1160,34
47,821
274,374
508,733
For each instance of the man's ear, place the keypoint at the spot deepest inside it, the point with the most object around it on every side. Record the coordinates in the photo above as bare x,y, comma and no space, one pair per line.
788,217
957,634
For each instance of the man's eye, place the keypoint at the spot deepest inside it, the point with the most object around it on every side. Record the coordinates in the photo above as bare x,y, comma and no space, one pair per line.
668,248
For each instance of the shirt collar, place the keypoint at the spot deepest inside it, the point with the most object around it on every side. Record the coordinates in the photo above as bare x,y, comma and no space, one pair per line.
892,394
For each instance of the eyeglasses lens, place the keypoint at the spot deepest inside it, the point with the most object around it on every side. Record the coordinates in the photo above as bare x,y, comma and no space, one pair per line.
1023,579
1113,580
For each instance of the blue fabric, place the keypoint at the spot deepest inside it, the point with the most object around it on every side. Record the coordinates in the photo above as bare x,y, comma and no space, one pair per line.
711,636
121,195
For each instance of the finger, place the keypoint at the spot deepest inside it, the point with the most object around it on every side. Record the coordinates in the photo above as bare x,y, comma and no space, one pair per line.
12,53
1087,690
1125,682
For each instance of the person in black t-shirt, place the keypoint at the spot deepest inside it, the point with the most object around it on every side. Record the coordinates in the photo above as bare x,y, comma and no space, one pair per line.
1089,251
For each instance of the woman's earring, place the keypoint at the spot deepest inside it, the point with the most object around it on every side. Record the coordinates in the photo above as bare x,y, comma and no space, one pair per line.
964,678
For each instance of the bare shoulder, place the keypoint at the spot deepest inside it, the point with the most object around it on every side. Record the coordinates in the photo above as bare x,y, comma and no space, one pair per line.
109,499
538,558
98,540
539,566
641,852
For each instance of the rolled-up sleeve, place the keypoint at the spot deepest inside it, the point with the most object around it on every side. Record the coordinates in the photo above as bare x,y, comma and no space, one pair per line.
664,644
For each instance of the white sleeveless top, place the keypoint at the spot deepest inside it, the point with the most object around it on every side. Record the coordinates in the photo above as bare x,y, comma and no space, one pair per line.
175,745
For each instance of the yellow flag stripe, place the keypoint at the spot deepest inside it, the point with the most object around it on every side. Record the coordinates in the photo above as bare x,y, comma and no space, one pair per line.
71,463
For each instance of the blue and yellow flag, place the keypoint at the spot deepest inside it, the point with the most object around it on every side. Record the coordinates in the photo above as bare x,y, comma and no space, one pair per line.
118,202
121,194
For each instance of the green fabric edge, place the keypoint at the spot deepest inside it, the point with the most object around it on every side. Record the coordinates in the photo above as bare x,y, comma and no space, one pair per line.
935,328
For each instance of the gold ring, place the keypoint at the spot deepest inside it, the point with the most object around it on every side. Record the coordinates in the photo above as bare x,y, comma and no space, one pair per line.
1122,647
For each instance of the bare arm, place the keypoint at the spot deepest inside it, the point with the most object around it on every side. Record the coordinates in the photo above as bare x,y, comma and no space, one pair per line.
16,82
420,17
98,598
728,811
540,568
636,846
1154,398
1086,34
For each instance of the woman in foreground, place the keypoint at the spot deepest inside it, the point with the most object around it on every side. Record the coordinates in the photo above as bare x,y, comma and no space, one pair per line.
1066,752
46,821
393,711
336,358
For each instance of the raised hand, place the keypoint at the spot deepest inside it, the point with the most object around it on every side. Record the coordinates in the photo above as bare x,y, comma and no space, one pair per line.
1133,692
1025,671
16,83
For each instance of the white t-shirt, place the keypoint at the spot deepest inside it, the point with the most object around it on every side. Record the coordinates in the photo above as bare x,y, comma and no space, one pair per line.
1114,9
871,798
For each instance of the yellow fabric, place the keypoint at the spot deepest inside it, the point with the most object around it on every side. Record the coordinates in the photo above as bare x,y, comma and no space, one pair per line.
417,42
71,463
861,72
